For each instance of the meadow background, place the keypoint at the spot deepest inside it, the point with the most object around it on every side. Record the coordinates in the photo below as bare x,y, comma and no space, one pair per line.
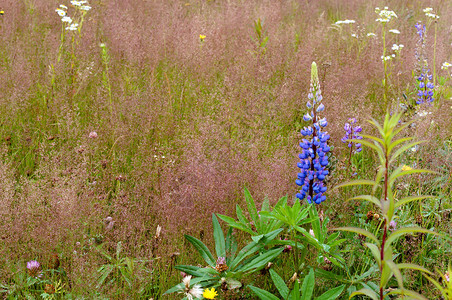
184,124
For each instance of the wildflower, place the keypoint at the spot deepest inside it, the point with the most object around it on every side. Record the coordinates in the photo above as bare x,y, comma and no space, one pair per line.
388,57
354,35
73,27
406,168
395,31
425,87
2,12
221,264
92,135
34,268
352,133
385,15
85,7
191,293
313,158
66,19
78,3
202,37
371,34
446,276
311,232
429,13
210,294
445,65
60,12
423,113
345,22
63,6
397,48
392,225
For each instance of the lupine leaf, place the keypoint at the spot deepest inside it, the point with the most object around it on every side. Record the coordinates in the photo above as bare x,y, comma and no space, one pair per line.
202,249
366,292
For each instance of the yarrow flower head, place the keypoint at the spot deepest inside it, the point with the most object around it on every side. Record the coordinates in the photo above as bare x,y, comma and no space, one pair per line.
210,294
429,13
34,268
72,27
385,15
345,22
352,132
193,292
313,158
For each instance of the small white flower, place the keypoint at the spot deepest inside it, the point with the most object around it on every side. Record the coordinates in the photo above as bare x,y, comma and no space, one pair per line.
345,22
311,232
445,65
66,20
76,3
395,31
354,35
371,34
63,6
385,58
385,15
191,293
428,9
85,7
72,27
60,12
432,16
397,48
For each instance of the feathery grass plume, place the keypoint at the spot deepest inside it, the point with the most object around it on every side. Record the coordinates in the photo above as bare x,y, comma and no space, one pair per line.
314,158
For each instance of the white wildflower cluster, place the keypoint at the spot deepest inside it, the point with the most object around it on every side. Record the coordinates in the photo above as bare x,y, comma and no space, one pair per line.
429,13
371,34
395,31
385,15
345,22
62,12
397,48
388,57
446,65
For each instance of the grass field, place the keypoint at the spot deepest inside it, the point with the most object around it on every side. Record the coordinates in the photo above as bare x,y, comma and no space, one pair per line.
130,132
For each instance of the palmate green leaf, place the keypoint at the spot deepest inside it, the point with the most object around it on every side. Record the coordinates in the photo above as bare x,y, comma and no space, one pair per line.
368,198
280,284
366,292
403,149
218,236
202,249
413,267
262,260
263,294
405,230
412,198
308,286
331,294
360,231
411,294
375,252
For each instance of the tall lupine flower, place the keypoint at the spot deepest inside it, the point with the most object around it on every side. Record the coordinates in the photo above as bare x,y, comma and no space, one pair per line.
352,133
424,85
313,158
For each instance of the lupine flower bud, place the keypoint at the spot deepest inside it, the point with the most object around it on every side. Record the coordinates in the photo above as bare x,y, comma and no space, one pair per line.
313,158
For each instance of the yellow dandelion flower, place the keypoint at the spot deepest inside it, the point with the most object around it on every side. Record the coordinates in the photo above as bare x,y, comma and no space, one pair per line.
210,294
2,12
202,37
406,168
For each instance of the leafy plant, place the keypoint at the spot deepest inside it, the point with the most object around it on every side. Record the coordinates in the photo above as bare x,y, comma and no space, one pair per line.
230,266
383,197
303,292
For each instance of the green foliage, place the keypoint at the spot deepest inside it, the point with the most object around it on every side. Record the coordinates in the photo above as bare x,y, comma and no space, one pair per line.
250,259
303,292
381,249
